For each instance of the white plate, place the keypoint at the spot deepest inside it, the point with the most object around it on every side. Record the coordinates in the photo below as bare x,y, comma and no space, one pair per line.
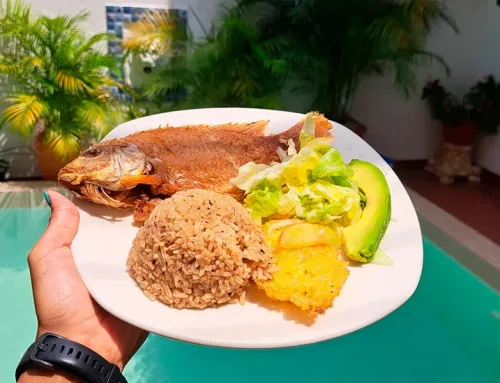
105,236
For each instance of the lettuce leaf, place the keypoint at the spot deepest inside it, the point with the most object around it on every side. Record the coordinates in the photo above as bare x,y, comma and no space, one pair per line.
342,181
331,164
251,174
247,174
263,200
297,171
314,184
287,203
323,202
320,145
308,132
323,213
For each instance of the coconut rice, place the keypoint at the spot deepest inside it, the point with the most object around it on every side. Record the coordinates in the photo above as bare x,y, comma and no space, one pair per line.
198,249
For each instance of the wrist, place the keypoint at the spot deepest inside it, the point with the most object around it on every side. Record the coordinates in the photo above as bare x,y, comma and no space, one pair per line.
90,341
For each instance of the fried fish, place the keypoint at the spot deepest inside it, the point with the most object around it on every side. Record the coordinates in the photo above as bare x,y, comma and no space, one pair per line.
136,169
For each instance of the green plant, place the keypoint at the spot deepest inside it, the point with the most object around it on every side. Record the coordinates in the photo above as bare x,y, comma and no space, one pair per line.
484,102
479,105
335,43
443,105
157,32
138,109
57,78
233,66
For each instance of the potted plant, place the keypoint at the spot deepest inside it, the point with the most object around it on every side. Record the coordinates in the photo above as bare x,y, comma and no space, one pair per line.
334,44
483,100
454,114
57,83
463,119
233,66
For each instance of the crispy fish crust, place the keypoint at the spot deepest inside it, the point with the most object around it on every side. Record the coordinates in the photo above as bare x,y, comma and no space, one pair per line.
164,161
311,277
144,206
207,157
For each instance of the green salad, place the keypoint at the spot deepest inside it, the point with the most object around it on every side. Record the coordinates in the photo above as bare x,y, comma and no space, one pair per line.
316,186
313,184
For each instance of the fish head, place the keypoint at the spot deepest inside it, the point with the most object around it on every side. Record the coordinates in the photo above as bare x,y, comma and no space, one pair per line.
107,173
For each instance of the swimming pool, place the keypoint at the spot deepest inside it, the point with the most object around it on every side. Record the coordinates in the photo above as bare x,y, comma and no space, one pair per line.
449,331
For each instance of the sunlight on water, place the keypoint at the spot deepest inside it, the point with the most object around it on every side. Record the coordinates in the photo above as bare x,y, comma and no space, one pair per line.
447,332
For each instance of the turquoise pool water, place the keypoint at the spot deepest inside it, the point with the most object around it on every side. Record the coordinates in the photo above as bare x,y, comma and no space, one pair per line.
449,331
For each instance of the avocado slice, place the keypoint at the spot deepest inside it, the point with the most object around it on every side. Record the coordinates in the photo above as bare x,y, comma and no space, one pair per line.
361,240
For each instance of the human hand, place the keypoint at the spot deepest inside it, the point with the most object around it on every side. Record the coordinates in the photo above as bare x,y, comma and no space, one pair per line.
63,304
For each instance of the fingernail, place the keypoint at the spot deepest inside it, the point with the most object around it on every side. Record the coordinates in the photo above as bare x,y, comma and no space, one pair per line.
47,199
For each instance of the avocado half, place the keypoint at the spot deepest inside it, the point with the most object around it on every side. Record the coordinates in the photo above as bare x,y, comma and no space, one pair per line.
362,239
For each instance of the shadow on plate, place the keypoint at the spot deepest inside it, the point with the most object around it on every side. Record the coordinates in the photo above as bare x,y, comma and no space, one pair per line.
104,212
290,312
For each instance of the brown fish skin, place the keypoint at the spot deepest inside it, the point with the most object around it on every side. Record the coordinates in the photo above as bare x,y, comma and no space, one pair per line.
168,160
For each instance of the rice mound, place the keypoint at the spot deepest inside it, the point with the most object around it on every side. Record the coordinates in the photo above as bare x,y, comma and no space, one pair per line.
198,249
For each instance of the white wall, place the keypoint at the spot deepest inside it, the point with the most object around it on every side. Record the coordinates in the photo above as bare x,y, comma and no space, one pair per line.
403,129
489,62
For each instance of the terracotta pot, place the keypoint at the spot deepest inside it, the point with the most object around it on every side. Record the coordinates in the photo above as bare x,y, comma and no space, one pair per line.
463,134
49,165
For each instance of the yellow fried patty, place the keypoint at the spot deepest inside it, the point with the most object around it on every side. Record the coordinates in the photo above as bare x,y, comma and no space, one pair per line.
310,277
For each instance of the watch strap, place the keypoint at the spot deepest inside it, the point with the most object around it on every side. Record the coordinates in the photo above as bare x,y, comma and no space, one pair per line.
52,351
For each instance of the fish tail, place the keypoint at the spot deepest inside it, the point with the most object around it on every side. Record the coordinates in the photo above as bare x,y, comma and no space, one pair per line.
321,125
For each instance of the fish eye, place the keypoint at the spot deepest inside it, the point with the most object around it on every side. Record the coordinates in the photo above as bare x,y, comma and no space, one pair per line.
92,152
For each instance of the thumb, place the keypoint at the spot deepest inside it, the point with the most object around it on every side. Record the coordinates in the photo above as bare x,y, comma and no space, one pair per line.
62,228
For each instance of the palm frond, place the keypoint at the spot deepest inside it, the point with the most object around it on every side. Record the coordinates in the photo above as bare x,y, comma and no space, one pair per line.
8,68
11,10
95,62
52,69
63,25
63,146
426,12
71,84
101,115
92,41
329,55
234,66
32,61
155,31
24,112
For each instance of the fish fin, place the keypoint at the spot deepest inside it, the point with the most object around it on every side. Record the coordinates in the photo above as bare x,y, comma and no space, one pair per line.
322,127
252,129
132,181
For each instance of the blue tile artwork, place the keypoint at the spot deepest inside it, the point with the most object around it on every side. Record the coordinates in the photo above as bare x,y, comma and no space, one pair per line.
117,17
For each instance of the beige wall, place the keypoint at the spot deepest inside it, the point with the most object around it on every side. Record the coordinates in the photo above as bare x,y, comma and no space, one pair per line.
402,129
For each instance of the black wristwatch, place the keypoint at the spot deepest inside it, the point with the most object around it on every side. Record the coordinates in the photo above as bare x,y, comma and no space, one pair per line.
52,351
